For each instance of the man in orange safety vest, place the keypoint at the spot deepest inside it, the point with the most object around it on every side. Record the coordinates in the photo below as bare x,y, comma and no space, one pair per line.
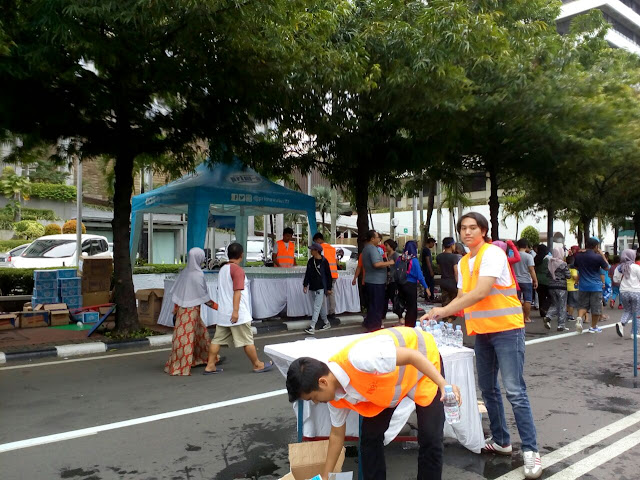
284,255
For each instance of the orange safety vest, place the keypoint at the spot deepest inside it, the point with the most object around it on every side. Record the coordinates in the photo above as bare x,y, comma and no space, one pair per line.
497,312
330,254
286,256
386,390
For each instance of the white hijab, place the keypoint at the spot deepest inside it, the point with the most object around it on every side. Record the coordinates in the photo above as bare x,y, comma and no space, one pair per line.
190,288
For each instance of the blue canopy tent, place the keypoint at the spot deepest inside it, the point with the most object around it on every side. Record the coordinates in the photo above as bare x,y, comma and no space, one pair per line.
222,191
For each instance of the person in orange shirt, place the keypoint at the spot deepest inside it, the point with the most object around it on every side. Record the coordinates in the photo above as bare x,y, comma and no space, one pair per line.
371,376
487,294
284,255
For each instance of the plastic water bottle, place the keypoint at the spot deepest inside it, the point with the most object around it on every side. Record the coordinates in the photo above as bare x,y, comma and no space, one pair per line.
458,336
437,335
451,335
432,324
427,329
443,329
451,408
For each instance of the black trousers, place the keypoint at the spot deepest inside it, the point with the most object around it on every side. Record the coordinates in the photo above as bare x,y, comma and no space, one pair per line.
544,300
375,306
409,293
390,294
430,439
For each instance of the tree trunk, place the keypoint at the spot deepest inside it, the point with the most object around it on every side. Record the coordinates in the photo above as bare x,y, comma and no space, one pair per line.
324,228
431,201
126,312
579,235
615,240
586,228
361,188
494,204
517,226
550,213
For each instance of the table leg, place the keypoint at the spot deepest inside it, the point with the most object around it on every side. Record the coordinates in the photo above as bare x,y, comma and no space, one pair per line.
360,473
300,420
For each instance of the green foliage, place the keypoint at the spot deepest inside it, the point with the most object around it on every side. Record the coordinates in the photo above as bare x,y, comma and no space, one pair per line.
143,332
52,191
16,281
15,188
52,229
532,235
70,227
6,245
39,214
158,268
28,229
47,171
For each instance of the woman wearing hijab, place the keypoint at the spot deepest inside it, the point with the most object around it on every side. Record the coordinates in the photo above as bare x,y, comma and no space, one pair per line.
541,261
559,273
190,344
408,286
628,274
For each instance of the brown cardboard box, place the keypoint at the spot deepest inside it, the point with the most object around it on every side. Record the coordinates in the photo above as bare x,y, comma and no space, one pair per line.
27,307
307,460
96,298
34,319
56,306
92,284
9,321
59,317
96,266
149,305
103,311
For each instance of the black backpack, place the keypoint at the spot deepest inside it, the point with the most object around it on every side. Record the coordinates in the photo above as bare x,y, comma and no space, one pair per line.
400,276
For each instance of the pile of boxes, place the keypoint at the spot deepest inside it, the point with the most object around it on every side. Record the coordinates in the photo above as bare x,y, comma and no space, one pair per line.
57,286
96,280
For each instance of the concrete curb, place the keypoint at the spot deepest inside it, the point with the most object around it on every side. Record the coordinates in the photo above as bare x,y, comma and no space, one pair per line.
155,341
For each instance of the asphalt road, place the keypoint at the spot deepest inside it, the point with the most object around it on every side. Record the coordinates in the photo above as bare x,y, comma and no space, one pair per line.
575,390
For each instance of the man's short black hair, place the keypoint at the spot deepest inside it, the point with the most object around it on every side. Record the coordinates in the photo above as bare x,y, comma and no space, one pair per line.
392,243
234,251
431,240
591,243
523,243
303,376
318,236
371,234
481,221
288,230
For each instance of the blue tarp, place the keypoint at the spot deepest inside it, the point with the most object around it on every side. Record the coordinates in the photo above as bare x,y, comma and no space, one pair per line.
222,191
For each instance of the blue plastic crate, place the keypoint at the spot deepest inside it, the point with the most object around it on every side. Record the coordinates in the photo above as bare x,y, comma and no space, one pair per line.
70,287
72,301
45,275
44,300
45,284
67,273
86,317
45,292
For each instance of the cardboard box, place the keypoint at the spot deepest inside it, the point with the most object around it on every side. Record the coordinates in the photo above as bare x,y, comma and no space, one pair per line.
56,306
45,292
95,298
9,321
92,284
103,312
35,301
67,273
96,266
45,275
59,317
149,305
45,284
73,301
27,307
34,319
70,286
307,460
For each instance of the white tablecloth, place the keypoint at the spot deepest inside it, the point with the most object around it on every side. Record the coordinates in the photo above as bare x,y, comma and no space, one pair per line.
458,368
270,296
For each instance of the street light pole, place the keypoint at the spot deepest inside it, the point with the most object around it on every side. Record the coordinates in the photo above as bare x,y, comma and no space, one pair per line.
78,212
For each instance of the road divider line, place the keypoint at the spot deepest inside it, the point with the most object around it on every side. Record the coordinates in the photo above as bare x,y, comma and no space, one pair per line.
75,349
61,437
579,445
581,467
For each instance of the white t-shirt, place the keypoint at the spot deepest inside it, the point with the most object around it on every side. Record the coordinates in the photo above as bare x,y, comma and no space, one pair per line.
628,283
226,290
375,355
494,264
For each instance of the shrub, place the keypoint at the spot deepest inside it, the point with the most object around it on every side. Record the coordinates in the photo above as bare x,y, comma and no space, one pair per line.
6,245
52,229
29,229
38,214
70,227
532,235
52,191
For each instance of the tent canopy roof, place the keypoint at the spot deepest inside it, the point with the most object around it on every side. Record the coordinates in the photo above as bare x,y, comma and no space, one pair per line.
230,190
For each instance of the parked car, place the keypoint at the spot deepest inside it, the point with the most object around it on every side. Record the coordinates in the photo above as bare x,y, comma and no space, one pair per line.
60,251
349,255
7,259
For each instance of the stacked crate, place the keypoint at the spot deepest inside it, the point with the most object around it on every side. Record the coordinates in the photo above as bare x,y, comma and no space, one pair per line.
45,289
70,288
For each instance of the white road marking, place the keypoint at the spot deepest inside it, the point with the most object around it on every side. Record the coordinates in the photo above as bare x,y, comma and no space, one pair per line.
579,445
565,335
585,465
60,437
77,349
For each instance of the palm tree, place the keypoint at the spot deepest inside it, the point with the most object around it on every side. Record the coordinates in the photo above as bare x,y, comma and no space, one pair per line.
322,195
16,188
514,206
454,196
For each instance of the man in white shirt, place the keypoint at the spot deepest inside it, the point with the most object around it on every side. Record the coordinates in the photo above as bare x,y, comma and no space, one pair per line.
371,376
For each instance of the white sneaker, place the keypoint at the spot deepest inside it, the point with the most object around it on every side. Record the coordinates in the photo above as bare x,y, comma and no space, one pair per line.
493,447
310,331
532,464
620,329
326,326
579,324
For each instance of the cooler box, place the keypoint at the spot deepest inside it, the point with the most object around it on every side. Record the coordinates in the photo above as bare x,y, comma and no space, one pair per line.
67,273
45,275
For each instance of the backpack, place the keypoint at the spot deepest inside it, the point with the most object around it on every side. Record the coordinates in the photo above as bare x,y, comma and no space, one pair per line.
402,269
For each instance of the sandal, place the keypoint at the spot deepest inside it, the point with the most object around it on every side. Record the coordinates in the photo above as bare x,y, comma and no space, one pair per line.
266,368
213,372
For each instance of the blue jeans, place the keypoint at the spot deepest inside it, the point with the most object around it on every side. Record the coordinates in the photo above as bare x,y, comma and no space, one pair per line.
504,351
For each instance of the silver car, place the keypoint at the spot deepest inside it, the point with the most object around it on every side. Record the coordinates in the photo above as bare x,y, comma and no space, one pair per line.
6,259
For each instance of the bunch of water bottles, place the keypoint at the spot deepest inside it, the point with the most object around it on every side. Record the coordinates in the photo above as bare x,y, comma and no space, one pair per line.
443,333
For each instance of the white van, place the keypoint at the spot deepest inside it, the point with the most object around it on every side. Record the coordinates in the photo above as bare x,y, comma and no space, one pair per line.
60,251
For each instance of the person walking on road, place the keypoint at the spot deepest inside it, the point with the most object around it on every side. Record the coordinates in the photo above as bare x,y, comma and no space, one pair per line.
493,313
398,359
392,288
329,252
233,326
317,278
190,343
525,273
559,273
407,276
589,264
628,275
541,261
426,258
448,263
375,281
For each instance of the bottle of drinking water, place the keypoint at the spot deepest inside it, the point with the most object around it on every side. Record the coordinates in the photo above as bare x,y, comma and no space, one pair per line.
443,329
437,335
451,408
451,335
432,324
458,336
